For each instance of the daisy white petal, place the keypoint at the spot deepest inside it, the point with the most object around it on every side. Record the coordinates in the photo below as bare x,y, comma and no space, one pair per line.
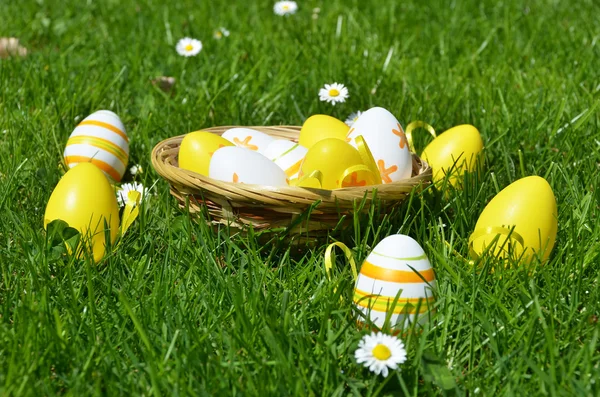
352,118
220,33
333,93
380,353
136,169
188,47
123,192
285,8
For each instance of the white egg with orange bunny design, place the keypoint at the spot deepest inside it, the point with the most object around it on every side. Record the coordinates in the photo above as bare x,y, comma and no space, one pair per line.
386,139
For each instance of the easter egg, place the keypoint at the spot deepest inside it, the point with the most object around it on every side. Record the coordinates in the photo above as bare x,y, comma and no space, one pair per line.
100,139
240,165
387,141
397,280
287,155
85,200
529,206
197,149
339,164
455,151
248,138
319,127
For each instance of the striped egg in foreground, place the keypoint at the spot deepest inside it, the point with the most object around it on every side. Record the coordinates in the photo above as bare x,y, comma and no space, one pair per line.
100,139
387,283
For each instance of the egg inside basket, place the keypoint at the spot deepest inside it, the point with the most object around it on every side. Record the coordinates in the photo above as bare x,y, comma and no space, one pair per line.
295,210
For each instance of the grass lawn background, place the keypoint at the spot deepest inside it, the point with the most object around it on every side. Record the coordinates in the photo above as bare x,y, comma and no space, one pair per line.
180,310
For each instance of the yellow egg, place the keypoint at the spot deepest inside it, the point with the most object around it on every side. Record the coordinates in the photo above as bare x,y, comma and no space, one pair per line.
84,199
456,151
339,163
397,267
319,127
197,148
529,206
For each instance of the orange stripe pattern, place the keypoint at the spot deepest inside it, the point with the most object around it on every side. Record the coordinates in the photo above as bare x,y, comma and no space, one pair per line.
384,303
397,276
100,144
107,168
106,126
294,169
399,308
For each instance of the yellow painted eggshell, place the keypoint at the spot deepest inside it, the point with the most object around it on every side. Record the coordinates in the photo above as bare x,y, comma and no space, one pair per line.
457,150
84,199
529,206
319,127
397,267
332,158
197,148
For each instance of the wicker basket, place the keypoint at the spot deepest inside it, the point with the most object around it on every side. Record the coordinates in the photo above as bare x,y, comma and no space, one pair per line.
267,208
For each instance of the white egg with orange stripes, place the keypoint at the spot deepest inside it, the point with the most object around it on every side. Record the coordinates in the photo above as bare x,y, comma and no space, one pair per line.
248,138
287,155
387,141
396,281
100,139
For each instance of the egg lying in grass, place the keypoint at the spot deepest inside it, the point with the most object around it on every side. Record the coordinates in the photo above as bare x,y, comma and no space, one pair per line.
100,139
452,153
319,127
386,139
287,155
197,148
395,282
520,221
240,165
248,138
85,200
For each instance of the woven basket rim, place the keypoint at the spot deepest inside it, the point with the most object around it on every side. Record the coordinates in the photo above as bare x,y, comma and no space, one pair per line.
183,178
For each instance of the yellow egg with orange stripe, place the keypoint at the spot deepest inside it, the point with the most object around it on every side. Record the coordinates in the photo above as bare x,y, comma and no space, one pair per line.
100,139
287,155
395,285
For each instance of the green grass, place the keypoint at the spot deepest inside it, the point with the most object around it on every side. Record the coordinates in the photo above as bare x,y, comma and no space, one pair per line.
182,310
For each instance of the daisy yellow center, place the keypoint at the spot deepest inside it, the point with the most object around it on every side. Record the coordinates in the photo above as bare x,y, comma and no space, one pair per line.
333,92
189,47
218,34
381,352
286,7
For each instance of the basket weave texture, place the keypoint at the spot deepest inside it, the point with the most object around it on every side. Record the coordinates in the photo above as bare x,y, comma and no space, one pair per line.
266,207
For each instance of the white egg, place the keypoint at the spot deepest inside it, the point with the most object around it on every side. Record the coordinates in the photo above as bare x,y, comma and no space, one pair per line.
240,165
100,139
287,155
397,265
386,139
248,138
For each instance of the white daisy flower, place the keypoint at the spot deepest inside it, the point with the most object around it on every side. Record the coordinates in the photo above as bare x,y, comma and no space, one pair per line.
220,33
123,192
188,47
333,93
352,118
285,8
136,169
379,352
